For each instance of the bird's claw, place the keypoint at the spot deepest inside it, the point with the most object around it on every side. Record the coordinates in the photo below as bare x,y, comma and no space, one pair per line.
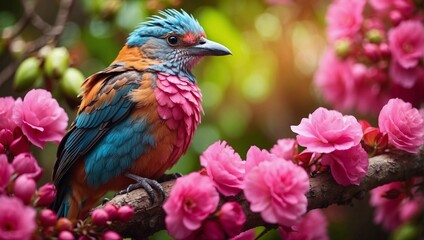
147,184
168,177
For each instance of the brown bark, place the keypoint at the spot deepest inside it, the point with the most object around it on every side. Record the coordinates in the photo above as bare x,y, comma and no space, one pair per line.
323,192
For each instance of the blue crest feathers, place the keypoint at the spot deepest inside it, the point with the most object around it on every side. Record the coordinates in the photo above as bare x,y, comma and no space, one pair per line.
169,20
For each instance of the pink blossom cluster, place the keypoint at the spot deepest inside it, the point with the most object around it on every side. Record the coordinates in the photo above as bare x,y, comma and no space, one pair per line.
274,186
333,139
396,203
37,120
375,53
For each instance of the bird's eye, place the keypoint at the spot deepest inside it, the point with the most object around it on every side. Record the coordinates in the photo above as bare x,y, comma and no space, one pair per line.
172,40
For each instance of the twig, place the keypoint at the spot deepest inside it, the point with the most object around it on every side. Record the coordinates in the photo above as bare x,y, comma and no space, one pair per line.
50,34
323,192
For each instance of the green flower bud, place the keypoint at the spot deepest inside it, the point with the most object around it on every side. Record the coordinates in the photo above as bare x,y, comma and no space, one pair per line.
374,36
57,61
70,83
342,48
27,73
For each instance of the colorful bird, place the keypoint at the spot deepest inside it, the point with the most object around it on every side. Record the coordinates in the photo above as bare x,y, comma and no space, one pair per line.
137,117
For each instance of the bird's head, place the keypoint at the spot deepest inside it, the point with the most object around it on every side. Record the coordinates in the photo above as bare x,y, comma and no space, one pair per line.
176,40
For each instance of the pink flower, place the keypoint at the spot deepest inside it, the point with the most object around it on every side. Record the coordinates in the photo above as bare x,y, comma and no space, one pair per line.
406,43
40,117
46,194
328,130
334,78
6,171
277,191
255,156
313,226
191,200
406,7
6,111
232,217
24,188
25,163
285,148
403,124
393,206
17,221
344,18
405,77
347,166
224,167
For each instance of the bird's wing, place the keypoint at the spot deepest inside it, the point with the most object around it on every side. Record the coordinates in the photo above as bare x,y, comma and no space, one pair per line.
100,111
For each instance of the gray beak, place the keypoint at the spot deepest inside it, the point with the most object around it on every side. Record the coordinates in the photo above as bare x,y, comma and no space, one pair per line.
206,47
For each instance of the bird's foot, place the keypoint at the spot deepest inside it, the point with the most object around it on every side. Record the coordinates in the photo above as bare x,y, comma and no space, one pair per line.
168,177
147,184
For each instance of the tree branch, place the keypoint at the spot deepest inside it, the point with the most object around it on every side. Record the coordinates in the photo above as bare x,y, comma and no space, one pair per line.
323,192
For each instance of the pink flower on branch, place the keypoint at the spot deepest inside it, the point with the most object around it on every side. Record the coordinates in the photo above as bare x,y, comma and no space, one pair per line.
6,111
328,130
40,117
285,148
17,221
313,226
403,124
232,217
255,156
335,79
347,166
394,206
224,167
277,191
406,43
192,199
344,18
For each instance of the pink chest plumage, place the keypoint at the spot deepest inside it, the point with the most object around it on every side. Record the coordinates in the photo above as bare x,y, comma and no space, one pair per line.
179,105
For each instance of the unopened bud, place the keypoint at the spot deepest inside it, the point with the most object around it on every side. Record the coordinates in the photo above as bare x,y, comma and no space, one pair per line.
100,217
27,73
125,213
66,235
342,47
374,36
46,194
57,61
47,217
64,224
111,235
70,83
24,188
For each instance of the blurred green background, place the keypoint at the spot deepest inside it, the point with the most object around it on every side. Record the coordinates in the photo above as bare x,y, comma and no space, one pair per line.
249,98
